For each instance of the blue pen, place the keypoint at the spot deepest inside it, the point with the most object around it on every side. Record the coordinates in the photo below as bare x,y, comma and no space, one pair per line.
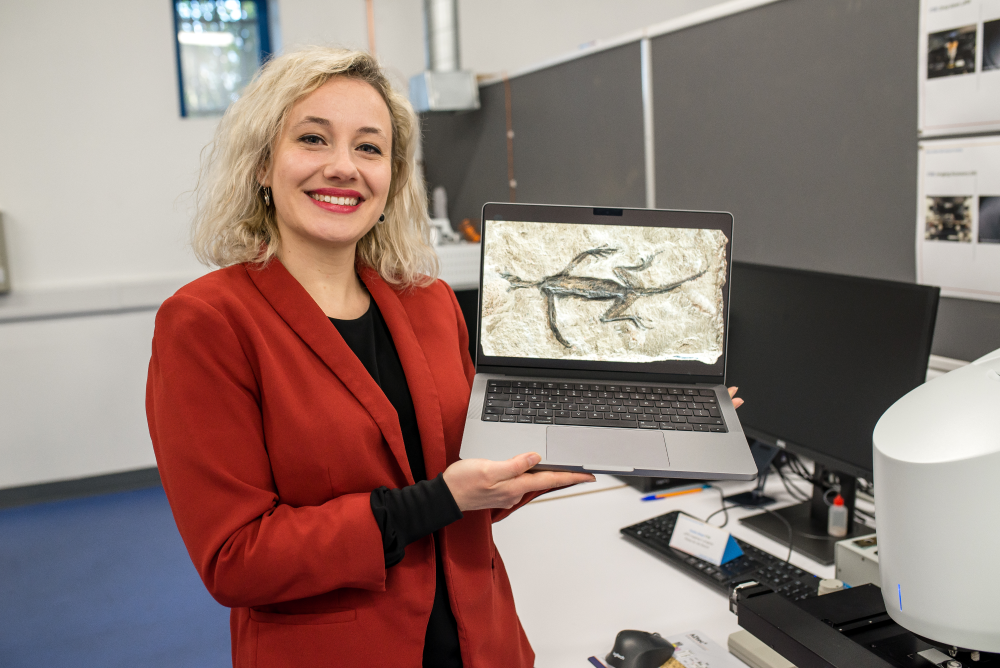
664,495
597,664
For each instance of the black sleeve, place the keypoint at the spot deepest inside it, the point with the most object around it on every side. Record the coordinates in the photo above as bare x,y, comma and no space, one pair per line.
410,513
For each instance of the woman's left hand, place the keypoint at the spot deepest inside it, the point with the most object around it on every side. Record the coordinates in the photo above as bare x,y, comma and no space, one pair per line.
476,484
737,402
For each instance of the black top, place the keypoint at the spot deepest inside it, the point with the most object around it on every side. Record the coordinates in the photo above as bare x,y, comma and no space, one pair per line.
410,513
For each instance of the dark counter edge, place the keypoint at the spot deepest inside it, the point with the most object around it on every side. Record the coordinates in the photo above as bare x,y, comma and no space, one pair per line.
61,490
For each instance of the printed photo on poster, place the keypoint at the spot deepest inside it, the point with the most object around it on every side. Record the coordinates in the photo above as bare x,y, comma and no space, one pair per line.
991,45
989,219
951,52
949,219
959,68
958,217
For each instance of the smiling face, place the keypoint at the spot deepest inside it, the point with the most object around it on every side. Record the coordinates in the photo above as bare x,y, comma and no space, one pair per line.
331,167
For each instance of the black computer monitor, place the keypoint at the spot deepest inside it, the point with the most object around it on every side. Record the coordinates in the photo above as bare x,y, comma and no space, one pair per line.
818,358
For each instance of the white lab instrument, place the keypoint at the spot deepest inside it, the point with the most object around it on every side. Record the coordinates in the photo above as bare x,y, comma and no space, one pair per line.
937,463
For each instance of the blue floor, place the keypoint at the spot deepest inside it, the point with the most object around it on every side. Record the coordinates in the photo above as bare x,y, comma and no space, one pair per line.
106,582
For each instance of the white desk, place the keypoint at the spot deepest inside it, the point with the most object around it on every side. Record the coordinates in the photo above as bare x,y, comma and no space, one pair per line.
459,265
577,581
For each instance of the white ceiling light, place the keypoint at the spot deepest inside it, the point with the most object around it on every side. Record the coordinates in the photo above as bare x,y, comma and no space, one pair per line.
206,38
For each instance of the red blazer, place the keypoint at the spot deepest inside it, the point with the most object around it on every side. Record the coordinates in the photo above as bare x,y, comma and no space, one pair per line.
270,436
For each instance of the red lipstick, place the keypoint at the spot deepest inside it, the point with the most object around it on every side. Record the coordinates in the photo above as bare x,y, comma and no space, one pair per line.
336,192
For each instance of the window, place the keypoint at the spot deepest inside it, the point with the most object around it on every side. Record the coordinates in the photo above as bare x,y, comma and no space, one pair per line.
220,45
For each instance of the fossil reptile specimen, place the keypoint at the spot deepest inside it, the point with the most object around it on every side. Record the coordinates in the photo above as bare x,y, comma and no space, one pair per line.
622,292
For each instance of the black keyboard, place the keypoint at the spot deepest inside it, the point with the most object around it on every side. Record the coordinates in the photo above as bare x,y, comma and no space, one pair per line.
664,407
755,564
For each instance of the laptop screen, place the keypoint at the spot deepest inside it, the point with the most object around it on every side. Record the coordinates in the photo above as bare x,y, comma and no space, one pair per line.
620,290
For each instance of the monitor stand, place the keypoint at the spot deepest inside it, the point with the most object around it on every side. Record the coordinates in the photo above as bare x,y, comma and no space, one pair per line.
809,520
763,455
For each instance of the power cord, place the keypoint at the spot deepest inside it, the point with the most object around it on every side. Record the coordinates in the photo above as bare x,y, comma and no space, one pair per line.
724,509
791,489
799,469
796,466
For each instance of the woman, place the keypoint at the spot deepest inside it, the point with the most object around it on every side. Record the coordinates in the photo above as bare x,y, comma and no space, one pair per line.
306,401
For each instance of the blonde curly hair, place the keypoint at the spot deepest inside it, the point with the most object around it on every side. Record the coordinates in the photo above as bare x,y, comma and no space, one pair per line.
233,224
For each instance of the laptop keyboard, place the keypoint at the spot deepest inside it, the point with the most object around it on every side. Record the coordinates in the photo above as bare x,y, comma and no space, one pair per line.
672,408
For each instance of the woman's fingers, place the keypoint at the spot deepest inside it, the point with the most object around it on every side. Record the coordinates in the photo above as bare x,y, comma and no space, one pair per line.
542,480
549,479
737,402
480,483
515,466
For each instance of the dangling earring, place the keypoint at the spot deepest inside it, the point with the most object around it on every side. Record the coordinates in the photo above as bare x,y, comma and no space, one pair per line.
381,218
267,197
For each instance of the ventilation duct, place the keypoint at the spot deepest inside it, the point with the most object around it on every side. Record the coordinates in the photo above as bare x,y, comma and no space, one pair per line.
443,86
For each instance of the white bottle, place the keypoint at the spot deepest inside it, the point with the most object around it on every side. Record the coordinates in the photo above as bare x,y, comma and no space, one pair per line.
836,524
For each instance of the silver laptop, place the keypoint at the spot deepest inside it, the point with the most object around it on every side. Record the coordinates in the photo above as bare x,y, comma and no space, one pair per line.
601,342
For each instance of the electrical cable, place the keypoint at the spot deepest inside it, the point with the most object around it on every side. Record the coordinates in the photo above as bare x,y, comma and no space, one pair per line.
865,514
813,536
826,500
792,490
790,532
804,473
724,508
797,467
725,511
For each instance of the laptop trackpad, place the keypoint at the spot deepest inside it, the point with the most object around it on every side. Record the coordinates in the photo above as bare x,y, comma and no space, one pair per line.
606,448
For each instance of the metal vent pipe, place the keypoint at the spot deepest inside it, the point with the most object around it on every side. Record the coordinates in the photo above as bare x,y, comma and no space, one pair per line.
441,30
443,86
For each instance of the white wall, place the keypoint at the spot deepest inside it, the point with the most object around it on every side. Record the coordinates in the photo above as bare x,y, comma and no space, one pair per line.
95,164
495,36
93,154
95,161
514,34
398,30
72,395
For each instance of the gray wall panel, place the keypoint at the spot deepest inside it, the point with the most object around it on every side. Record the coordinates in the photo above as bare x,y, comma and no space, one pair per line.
578,138
800,118
578,131
466,153
966,329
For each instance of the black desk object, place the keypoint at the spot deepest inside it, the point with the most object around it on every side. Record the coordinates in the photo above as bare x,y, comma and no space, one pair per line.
646,484
809,536
755,565
845,629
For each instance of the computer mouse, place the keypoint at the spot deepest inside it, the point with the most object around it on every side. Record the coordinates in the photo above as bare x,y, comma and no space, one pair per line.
639,649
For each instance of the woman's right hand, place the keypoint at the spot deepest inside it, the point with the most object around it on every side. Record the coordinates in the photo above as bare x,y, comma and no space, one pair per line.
481,483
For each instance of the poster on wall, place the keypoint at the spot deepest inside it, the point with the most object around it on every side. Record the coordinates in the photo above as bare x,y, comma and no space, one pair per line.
958,217
959,67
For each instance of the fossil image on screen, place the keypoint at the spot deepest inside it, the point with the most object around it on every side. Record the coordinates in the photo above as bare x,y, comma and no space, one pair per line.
602,292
